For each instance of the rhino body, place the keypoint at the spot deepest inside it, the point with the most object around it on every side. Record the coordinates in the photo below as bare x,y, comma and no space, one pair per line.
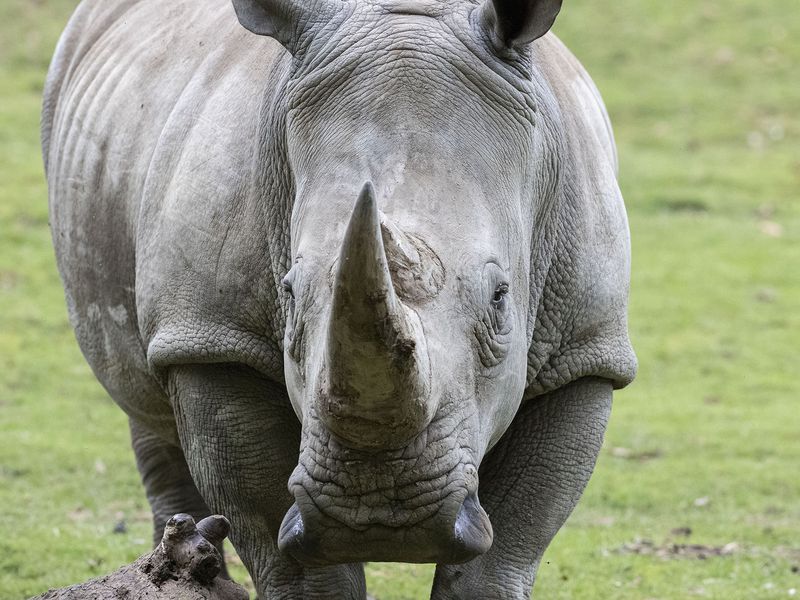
358,276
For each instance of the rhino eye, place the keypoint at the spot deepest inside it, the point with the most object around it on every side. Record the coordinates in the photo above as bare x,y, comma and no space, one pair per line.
493,329
499,296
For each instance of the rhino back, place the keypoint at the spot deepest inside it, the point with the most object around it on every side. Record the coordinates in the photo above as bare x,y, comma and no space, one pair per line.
154,131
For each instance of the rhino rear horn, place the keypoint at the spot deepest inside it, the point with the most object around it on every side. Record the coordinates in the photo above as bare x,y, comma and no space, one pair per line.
514,23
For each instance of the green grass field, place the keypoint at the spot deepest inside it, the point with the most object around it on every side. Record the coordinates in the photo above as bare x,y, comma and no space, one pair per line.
705,98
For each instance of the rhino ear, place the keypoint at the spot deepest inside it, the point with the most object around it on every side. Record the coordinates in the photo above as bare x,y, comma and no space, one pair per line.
283,20
514,23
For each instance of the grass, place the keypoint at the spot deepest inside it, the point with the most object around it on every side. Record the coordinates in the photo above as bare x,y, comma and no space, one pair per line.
705,102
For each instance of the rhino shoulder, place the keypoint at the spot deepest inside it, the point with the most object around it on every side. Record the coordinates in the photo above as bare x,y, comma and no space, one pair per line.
581,326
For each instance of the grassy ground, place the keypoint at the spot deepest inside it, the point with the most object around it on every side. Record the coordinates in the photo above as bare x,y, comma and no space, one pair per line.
705,99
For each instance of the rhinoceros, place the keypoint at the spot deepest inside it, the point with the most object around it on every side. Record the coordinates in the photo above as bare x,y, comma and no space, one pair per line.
356,271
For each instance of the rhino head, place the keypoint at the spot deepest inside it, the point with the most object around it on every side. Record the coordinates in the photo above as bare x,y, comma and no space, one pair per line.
422,164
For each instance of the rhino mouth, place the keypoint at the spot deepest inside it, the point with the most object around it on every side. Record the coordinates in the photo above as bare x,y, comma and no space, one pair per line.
318,540
413,504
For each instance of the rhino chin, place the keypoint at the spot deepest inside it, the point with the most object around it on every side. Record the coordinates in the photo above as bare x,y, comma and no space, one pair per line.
334,543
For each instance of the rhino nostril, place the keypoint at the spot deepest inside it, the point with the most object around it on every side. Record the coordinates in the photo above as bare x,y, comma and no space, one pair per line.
472,531
292,535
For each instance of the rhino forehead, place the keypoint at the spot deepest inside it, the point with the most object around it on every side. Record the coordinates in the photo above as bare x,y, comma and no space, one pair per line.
402,56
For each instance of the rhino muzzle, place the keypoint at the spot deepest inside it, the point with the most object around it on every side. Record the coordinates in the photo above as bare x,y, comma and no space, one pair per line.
375,388
316,540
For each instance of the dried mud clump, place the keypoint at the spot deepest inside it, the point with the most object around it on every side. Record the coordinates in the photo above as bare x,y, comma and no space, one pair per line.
185,565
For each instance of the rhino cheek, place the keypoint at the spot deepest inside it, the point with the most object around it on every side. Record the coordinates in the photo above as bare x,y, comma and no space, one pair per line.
496,393
508,390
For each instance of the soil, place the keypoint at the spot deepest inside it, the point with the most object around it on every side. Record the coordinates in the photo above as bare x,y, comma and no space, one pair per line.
184,566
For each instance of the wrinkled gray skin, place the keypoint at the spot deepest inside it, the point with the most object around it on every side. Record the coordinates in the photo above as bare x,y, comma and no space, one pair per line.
374,250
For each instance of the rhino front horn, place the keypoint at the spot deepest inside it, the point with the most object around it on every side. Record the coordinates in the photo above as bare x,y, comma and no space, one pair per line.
376,393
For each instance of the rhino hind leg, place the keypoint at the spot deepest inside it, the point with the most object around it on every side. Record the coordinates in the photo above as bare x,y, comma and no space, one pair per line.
168,484
530,483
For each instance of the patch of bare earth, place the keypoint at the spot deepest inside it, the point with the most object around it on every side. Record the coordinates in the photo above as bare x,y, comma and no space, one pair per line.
672,550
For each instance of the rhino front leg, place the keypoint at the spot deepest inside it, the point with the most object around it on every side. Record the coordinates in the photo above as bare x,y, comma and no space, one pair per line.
530,483
241,440
168,485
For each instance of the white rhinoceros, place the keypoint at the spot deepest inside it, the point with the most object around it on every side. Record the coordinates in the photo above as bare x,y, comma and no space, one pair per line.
345,275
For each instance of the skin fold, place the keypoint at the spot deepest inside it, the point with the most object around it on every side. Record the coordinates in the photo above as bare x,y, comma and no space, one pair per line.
356,271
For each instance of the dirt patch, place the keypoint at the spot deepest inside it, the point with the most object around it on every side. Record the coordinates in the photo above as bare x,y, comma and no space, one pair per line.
671,550
637,455
184,566
8,280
